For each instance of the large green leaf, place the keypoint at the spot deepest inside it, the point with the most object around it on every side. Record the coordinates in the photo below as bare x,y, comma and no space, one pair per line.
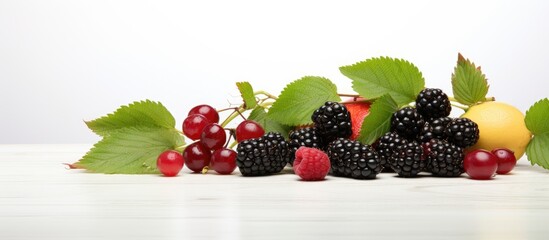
301,98
469,84
143,113
537,117
132,150
376,77
538,150
378,121
247,93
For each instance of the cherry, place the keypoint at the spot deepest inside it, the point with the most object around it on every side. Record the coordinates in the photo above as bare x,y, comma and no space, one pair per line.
193,125
208,111
480,164
223,161
169,163
248,129
506,160
213,136
196,156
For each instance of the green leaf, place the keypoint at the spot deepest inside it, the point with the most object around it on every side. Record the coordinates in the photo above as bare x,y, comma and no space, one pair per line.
259,115
469,84
130,150
247,93
537,117
378,121
143,113
376,77
538,150
301,98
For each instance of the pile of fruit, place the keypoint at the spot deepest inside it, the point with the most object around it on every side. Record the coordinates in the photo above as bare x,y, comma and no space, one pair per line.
392,124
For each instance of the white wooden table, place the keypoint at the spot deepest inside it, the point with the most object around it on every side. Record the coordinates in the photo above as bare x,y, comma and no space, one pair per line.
41,199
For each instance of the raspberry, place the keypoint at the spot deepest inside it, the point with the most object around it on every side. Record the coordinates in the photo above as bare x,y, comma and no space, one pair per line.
332,121
462,132
407,160
311,164
262,156
435,129
432,103
353,159
407,123
386,145
445,159
307,137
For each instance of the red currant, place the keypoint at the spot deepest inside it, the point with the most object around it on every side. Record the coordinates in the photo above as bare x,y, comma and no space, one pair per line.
208,111
213,136
480,164
169,163
193,125
506,160
248,129
223,161
196,156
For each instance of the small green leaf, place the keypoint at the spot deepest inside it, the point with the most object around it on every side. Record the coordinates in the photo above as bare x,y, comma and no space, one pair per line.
259,115
538,150
301,98
144,113
131,150
376,77
537,117
378,121
469,84
247,93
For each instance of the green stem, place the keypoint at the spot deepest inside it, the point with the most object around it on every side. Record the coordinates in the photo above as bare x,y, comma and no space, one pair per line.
452,99
233,115
266,104
348,95
266,94
233,144
464,108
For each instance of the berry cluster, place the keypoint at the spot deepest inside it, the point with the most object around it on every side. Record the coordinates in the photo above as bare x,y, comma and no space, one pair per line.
210,147
425,138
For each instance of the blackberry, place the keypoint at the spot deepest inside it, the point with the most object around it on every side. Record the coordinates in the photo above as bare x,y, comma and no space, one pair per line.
332,121
307,137
262,156
408,159
353,159
462,132
407,123
386,145
445,159
433,103
435,129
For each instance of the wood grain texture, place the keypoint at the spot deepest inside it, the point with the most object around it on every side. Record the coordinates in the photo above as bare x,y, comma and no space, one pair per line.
41,199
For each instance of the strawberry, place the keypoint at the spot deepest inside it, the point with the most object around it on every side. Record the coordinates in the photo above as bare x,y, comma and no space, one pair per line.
358,111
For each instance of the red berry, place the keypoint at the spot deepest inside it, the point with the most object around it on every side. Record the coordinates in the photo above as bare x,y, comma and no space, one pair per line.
193,126
311,164
247,130
223,161
480,164
208,111
169,163
358,111
506,160
213,136
196,156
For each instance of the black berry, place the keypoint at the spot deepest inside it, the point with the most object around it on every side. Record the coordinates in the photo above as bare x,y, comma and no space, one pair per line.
386,145
408,159
353,159
262,156
307,137
435,129
332,121
433,103
445,159
407,122
462,132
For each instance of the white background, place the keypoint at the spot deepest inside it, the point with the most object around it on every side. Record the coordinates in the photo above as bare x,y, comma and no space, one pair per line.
62,62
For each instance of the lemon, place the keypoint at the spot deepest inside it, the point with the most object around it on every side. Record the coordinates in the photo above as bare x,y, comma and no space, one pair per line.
501,126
